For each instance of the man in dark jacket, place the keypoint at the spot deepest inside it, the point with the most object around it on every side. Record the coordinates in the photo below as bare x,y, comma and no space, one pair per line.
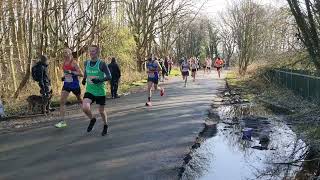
44,80
116,74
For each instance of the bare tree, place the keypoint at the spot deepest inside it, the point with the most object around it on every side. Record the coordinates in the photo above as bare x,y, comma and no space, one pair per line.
246,20
307,15
147,18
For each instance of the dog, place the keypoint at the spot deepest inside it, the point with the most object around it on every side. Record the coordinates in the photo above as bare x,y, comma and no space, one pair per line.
40,101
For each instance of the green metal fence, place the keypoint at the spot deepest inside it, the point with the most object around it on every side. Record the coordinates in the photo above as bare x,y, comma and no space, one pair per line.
307,86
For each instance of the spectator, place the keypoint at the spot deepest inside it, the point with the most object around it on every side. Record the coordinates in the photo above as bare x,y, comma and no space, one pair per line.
166,64
41,75
164,70
170,64
115,74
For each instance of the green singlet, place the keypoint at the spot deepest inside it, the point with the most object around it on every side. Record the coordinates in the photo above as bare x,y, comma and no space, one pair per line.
95,73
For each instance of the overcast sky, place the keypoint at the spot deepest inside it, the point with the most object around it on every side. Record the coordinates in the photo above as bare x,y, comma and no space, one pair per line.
213,7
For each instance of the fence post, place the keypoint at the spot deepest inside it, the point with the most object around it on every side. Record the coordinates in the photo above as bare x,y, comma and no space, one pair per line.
287,80
291,85
308,82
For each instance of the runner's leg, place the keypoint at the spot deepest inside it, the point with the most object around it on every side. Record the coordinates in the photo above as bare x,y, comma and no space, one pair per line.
86,107
194,76
104,119
77,93
150,84
63,99
79,98
103,114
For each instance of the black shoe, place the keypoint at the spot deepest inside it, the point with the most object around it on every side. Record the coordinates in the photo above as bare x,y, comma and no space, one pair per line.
105,130
92,122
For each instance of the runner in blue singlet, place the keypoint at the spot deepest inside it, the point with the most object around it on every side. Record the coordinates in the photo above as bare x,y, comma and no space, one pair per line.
153,68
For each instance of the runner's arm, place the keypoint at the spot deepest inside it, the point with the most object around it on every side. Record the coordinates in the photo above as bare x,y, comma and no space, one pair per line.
78,71
84,74
159,66
104,68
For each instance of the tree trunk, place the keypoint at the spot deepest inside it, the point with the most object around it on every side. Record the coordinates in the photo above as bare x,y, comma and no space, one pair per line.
20,34
12,68
27,75
14,35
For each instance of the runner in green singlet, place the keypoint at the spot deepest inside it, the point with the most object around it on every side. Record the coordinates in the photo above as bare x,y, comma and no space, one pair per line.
95,76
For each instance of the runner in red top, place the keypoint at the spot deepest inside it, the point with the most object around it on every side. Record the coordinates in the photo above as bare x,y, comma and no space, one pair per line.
218,64
71,73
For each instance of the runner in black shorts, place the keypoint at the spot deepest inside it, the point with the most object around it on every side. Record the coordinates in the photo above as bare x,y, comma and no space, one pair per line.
95,76
185,71
76,92
194,68
71,72
153,68
100,100
208,65
218,64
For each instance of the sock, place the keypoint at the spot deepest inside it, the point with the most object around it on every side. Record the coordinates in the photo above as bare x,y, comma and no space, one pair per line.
149,99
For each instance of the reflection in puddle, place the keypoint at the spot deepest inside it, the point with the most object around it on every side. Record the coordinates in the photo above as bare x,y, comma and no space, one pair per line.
268,155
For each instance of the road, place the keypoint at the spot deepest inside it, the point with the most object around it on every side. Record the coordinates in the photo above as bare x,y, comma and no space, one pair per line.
142,143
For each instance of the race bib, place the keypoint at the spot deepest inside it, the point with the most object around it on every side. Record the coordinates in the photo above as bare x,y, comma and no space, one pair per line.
68,78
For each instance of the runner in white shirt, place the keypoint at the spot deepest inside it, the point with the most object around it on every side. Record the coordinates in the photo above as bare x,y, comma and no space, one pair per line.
185,71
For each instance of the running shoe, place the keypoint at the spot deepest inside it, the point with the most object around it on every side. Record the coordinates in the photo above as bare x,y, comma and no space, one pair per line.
162,92
105,130
61,124
92,122
148,104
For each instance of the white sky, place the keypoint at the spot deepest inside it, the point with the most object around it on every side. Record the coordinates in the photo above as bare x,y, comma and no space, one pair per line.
213,7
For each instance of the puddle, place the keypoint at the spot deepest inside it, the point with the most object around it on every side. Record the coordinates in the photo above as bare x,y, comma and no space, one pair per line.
273,151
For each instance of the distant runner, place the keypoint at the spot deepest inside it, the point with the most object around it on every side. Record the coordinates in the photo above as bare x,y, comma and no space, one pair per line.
164,72
153,68
194,68
218,64
185,71
208,65
95,76
71,71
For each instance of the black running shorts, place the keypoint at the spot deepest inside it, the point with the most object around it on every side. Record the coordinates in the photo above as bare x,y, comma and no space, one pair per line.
101,100
185,73
76,91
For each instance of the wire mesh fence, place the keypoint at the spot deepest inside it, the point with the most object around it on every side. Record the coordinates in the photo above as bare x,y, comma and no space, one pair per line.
302,83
